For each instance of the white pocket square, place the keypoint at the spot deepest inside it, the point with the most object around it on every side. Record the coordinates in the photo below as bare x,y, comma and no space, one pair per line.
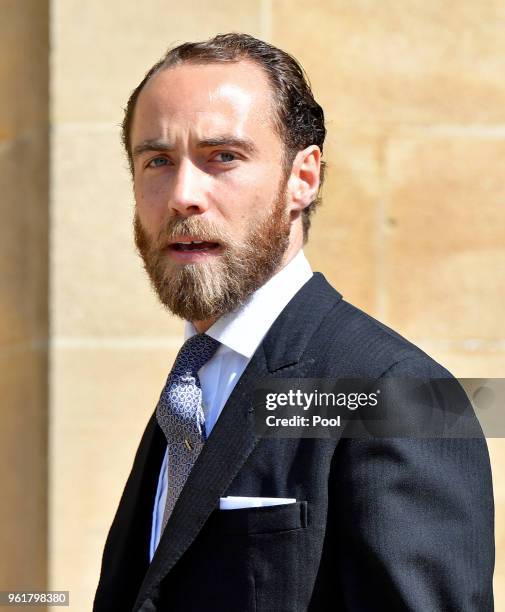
234,502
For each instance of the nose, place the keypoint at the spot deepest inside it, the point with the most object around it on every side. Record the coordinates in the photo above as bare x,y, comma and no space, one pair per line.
188,195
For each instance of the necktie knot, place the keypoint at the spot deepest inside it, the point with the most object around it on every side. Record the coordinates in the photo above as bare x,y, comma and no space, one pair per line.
180,410
194,354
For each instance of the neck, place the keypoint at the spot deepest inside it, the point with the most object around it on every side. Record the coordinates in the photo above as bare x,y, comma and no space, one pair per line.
202,326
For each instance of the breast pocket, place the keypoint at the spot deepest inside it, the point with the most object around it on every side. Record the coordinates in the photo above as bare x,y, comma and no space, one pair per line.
264,519
247,560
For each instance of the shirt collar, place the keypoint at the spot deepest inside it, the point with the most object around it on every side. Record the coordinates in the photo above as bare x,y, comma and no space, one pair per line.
243,329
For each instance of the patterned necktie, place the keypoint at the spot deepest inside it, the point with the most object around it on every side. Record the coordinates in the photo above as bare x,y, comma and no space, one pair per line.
180,414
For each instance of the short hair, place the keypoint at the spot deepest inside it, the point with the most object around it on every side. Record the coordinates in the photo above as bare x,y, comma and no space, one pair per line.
298,119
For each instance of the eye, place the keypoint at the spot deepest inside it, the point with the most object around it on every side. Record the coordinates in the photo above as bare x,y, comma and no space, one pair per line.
156,162
226,156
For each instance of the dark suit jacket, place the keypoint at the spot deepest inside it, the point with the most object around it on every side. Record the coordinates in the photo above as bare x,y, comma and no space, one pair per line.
379,524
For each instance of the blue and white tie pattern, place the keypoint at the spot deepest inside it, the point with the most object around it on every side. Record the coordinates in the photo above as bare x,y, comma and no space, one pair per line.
180,414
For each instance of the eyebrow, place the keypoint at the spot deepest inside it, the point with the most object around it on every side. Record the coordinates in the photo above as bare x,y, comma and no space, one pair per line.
245,144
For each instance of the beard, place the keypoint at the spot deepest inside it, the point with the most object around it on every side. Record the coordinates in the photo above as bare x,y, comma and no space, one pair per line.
208,290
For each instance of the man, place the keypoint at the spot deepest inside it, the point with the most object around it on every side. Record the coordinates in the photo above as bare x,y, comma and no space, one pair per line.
225,140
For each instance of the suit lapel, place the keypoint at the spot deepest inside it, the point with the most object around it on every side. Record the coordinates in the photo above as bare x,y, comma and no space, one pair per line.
232,439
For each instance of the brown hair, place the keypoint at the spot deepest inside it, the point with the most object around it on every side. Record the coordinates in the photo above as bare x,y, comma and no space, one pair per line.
298,118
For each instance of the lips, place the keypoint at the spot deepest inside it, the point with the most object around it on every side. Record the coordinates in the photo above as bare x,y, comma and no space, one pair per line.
193,245
184,250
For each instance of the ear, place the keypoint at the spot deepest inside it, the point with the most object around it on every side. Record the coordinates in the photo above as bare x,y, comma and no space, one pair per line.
303,182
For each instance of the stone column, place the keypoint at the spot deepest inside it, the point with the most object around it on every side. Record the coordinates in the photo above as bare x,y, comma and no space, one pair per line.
24,158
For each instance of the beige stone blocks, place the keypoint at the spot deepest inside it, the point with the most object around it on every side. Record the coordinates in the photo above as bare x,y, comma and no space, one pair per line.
98,63
24,36
23,461
105,395
411,229
445,255
400,62
343,237
23,238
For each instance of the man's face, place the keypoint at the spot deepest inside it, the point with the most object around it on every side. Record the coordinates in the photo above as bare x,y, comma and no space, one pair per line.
211,220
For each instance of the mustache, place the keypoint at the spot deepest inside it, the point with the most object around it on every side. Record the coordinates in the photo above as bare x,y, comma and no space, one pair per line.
190,226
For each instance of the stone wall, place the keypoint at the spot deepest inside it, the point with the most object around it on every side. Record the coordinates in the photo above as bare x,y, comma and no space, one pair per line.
24,164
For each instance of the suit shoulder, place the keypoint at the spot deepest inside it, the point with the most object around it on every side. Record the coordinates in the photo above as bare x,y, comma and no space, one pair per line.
365,346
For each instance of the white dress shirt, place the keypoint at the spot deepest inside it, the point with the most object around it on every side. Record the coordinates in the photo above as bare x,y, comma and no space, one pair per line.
240,333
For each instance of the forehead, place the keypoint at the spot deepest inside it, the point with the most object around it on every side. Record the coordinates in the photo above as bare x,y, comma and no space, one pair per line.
203,98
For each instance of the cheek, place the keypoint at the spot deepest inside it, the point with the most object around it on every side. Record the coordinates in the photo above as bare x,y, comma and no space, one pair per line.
239,207
149,206
148,194
246,196
251,212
